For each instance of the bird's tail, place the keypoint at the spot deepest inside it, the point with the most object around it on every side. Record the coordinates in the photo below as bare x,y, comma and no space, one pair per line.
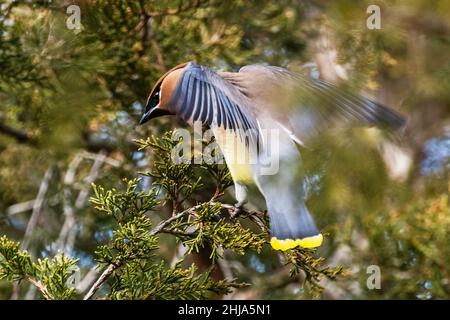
293,227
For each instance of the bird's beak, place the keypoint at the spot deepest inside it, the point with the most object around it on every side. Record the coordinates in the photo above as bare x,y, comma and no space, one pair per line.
153,113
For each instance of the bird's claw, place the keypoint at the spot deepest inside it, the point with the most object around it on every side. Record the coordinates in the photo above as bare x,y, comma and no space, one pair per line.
237,210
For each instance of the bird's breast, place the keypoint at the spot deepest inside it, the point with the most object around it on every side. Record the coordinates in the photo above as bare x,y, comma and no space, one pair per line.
236,153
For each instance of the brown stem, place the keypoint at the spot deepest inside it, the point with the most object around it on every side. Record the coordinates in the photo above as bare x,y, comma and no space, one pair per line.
43,289
158,53
147,35
103,277
18,134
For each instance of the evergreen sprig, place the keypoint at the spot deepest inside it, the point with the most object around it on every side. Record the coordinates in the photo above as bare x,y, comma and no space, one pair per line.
304,260
157,281
132,267
214,229
51,276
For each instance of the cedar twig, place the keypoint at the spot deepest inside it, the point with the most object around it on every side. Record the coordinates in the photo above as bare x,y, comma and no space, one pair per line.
113,267
103,277
160,228
37,284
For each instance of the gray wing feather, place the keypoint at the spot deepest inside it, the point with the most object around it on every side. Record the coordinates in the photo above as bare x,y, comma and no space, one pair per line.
202,95
313,104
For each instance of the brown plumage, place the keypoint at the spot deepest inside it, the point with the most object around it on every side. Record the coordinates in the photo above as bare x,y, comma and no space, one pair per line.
304,106
168,83
259,98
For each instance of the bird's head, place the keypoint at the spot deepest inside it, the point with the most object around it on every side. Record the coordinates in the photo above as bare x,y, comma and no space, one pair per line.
158,101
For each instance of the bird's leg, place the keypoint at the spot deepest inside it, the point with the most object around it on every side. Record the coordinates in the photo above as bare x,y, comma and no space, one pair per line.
241,197
237,211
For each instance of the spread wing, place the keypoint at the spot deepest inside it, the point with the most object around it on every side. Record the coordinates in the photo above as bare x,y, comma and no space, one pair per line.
202,95
305,106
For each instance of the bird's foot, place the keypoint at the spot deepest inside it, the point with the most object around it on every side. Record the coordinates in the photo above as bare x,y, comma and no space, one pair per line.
238,209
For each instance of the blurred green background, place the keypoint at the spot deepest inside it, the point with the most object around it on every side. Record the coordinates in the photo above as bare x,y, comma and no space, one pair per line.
69,97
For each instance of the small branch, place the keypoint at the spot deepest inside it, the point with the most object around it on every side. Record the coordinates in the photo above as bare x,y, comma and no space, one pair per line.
103,277
113,267
37,206
43,289
177,232
158,53
107,160
174,206
147,35
217,194
88,280
145,28
18,134
20,207
32,223
160,228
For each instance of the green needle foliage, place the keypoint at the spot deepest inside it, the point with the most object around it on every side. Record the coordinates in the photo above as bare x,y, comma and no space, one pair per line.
138,272
70,103
177,180
302,260
124,206
418,238
219,233
143,281
53,277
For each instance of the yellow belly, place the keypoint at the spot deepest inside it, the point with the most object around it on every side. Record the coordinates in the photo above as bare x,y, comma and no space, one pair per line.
236,154
286,244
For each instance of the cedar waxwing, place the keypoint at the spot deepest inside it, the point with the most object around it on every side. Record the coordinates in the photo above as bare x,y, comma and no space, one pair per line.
255,99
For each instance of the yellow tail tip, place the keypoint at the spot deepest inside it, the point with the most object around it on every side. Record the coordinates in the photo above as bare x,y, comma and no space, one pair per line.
286,244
